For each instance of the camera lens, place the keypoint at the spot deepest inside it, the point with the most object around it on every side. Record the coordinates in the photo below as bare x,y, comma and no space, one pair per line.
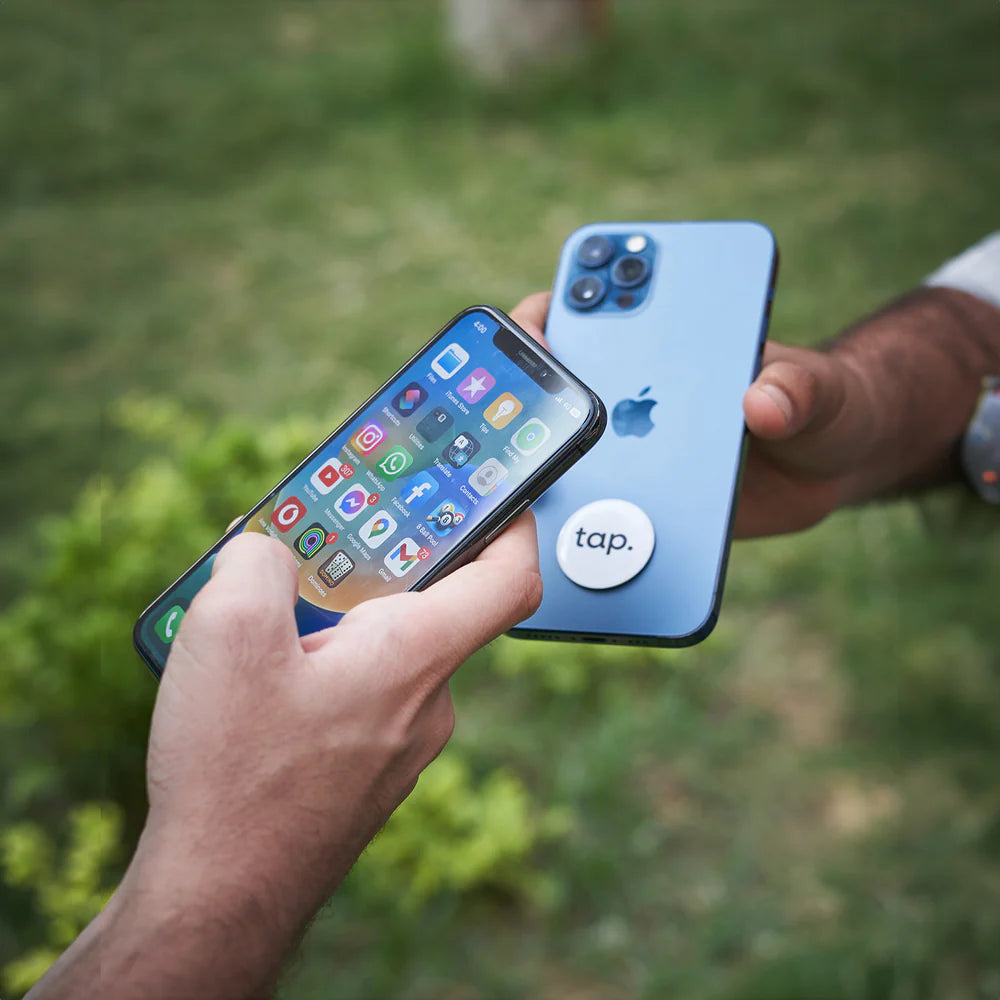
630,271
586,292
595,251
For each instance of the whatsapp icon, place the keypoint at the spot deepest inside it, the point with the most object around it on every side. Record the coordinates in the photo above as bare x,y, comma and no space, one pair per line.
395,462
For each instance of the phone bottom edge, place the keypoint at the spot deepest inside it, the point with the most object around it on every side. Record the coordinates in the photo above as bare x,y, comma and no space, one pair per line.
616,639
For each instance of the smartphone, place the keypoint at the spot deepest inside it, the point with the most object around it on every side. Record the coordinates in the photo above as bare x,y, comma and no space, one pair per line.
667,321
416,481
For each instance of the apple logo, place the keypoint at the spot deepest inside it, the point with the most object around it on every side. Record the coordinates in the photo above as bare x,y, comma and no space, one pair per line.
631,416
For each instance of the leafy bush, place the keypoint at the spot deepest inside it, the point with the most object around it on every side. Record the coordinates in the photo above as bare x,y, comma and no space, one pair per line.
74,698
68,894
451,834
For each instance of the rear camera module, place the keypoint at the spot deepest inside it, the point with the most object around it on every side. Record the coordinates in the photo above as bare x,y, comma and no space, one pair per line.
630,271
595,251
586,292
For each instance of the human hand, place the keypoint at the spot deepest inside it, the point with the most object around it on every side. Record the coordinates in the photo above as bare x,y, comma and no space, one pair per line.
877,413
812,422
810,417
274,758
373,692
272,747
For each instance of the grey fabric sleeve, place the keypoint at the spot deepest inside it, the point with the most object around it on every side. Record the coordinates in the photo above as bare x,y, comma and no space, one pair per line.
976,271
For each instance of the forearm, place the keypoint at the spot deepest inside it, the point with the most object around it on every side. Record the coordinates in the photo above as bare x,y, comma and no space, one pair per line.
920,361
173,931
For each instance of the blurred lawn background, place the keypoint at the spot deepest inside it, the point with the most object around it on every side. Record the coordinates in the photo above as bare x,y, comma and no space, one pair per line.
238,217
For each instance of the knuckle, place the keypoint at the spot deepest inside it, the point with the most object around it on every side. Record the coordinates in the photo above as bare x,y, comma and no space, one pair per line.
808,386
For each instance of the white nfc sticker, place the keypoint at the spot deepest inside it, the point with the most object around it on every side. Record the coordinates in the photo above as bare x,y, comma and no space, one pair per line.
605,544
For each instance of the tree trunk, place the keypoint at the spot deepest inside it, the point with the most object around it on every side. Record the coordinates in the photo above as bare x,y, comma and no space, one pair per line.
495,38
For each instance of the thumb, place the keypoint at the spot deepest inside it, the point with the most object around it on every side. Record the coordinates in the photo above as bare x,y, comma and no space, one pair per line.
249,600
797,390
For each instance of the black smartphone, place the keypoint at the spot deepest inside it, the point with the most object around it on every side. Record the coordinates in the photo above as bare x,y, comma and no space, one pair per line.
462,439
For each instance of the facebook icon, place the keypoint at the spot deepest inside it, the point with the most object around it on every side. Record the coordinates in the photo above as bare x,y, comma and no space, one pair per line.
419,489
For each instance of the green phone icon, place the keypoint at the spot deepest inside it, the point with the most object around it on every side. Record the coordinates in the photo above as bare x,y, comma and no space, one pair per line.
166,627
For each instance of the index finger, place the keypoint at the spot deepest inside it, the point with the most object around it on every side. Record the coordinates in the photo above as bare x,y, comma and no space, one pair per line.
489,595
443,626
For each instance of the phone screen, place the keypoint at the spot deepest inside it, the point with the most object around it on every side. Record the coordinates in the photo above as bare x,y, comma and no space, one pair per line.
383,501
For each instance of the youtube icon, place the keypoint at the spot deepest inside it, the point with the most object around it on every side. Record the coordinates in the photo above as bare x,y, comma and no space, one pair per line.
326,476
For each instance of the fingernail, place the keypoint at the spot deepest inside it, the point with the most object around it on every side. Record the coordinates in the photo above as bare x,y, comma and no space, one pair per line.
780,398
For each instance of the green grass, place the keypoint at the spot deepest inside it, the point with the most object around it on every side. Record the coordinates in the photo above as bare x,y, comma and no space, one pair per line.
260,209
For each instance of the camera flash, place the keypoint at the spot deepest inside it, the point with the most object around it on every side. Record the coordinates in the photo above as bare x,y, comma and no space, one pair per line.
635,244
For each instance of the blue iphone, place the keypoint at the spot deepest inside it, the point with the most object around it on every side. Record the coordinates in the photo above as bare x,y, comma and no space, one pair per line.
667,322
426,472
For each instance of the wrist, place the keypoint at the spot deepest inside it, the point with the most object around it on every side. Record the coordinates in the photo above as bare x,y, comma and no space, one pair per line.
916,368
199,921
176,927
246,875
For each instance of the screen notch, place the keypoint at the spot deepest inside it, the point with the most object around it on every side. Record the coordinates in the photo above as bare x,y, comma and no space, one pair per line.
529,361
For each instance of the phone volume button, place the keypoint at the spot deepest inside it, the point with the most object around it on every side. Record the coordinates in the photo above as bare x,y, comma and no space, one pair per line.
506,522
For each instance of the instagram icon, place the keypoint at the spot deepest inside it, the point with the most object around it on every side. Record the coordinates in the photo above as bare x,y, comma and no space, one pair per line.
368,438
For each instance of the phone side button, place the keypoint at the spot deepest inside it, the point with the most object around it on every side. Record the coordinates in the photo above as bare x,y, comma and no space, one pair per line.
506,522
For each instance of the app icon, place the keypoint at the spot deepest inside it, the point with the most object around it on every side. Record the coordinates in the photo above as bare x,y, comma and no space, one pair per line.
435,424
377,529
395,462
311,541
338,566
352,502
447,516
403,557
530,436
484,479
288,513
406,401
461,450
368,438
166,627
476,385
503,409
326,476
419,489
449,361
